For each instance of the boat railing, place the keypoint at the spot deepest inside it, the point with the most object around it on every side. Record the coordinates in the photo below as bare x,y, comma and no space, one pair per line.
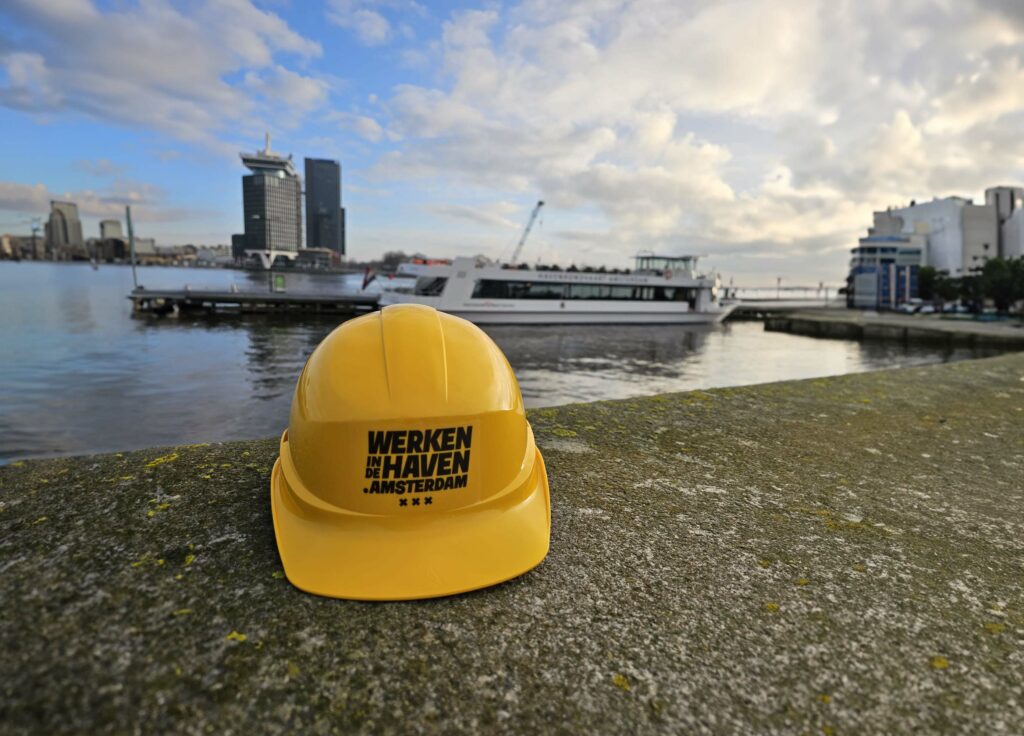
481,262
572,268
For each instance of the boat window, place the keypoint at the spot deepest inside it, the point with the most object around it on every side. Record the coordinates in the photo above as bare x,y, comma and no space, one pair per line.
609,291
430,285
539,290
494,289
588,291
501,289
659,264
489,289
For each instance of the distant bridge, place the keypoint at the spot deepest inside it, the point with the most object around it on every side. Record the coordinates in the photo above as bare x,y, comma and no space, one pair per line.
761,301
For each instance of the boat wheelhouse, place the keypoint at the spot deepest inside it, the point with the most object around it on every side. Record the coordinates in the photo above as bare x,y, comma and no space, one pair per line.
659,290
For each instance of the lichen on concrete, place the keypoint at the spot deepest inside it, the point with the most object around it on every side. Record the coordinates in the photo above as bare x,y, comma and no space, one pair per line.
841,555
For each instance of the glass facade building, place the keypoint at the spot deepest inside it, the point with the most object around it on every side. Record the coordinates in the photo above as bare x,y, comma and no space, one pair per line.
271,202
64,229
325,217
883,273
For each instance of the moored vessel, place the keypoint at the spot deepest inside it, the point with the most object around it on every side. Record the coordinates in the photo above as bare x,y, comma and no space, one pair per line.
659,290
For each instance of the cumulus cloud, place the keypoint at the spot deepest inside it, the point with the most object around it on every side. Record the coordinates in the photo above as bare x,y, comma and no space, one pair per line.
491,214
16,197
364,126
769,127
148,201
993,88
371,27
100,167
367,19
297,94
758,130
153,66
29,83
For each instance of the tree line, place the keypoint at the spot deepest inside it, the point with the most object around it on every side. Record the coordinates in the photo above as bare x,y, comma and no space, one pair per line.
1000,279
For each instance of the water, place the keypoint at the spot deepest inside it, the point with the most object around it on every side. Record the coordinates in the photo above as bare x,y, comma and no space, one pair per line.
79,373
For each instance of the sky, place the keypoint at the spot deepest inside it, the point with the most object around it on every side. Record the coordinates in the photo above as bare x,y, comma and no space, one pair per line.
762,133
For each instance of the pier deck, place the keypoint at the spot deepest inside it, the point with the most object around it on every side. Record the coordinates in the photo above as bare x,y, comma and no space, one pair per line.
162,301
850,324
837,555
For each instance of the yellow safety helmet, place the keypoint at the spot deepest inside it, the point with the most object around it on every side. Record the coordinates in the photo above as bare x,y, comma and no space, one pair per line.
408,469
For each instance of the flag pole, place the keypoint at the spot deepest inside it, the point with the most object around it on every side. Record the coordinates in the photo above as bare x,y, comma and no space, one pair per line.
131,244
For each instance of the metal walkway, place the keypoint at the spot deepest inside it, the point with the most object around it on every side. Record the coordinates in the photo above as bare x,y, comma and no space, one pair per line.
163,301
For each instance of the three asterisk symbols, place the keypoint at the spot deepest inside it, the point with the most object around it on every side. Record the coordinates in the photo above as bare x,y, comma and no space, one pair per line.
415,502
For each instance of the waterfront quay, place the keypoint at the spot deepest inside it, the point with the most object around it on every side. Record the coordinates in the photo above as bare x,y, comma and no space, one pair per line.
838,555
848,324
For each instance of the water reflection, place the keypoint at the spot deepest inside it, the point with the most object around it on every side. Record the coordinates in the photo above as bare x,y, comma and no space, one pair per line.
79,374
645,350
558,365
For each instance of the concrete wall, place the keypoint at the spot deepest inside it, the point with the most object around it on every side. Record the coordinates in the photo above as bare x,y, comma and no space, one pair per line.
962,236
1013,236
981,235
886,223
1007,200
941,221
865,290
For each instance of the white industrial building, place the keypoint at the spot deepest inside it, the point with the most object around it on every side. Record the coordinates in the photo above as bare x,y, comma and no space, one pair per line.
110,229
1013,235
1009,204
959,236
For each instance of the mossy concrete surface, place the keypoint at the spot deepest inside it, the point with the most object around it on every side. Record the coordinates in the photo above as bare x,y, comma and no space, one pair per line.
836,556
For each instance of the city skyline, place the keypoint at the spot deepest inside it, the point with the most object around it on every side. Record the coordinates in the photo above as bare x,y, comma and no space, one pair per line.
763,134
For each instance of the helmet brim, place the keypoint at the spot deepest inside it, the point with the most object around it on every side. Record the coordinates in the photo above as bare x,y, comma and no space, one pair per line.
410,556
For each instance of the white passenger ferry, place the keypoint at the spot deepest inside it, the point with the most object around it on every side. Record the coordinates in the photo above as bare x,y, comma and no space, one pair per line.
660,290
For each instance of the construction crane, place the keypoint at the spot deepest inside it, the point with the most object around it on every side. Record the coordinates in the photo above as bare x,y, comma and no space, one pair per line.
526,232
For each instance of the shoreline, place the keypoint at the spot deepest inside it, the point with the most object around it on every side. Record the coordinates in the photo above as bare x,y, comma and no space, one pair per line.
243,269
849,324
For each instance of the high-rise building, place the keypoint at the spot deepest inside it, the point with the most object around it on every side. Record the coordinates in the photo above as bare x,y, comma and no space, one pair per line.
110,229
238,246
325,217
64,230
271,201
